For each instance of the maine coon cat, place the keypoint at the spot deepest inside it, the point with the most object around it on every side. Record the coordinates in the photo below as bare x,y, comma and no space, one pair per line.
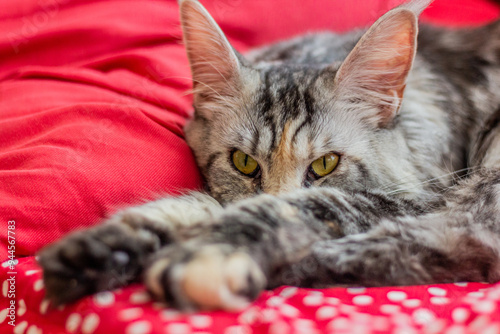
329,160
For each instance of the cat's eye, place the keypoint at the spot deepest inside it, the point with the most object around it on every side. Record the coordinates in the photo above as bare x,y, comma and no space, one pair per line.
325,165
245,163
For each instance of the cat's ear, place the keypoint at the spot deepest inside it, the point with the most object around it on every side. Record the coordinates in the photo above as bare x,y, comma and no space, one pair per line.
377,68
215,65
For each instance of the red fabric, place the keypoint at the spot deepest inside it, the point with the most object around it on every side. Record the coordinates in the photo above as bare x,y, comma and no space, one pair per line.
92,103
92,107
92,98
461,308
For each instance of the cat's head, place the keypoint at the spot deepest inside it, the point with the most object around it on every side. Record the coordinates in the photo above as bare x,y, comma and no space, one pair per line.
275,127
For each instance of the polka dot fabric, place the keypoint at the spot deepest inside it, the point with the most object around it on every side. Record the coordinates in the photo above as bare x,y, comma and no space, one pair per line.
446,308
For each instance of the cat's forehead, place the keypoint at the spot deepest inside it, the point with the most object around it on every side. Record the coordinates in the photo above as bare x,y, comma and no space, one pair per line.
292,81
287,91
290,113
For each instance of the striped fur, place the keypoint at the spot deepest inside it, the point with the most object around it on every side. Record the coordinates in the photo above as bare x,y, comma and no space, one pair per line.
414,199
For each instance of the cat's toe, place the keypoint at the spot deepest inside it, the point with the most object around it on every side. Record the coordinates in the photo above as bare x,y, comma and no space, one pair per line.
212,277
90,261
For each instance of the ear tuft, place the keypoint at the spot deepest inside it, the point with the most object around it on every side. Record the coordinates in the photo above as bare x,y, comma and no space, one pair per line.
214,63
416,6
377,67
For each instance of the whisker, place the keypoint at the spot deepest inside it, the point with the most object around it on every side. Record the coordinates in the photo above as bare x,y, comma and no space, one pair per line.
455,175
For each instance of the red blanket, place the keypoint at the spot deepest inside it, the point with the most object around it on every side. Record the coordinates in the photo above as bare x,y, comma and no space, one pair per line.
92,104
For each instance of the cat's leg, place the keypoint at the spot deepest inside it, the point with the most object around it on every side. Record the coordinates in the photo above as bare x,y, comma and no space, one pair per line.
460,242
255,241
433,249
114,253
323,237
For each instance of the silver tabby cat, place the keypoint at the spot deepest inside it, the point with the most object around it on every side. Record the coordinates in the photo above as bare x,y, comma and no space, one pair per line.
329,160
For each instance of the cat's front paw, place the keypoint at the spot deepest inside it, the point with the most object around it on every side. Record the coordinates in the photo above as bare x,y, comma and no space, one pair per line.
97,259
209,277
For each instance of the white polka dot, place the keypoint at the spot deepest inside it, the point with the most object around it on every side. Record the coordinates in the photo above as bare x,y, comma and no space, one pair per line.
21,307
200,321
288,292
38,285
484,306
5,288
20,327
73,322
347,309
439,300
269,315
462,284
130,314
401,320
476,294
169,315
456,329
279,327
361,318
356,290
437,291
380,324
326,312
304,325
460,314
44,306
491,329
423,316
411,303
140,297
389,308
436,327
3,314
90,323
312,300
139,327
105,298
396,296
405,330
332,300
274,301
339,324
31,272
494,294
316,293
250,316
362,300
479,323
236,330
289,311
34,330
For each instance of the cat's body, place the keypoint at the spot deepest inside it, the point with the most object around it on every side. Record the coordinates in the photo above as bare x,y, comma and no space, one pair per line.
387,212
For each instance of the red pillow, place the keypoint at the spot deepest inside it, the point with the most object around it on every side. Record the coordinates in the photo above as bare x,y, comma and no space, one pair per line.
92,98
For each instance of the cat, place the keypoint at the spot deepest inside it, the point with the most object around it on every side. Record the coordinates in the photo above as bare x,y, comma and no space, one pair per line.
329,160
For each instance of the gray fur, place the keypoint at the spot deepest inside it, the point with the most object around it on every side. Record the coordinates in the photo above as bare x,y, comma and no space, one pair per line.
414,199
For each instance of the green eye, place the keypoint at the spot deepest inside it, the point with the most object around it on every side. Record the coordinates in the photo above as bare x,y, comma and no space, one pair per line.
325,165
245,163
